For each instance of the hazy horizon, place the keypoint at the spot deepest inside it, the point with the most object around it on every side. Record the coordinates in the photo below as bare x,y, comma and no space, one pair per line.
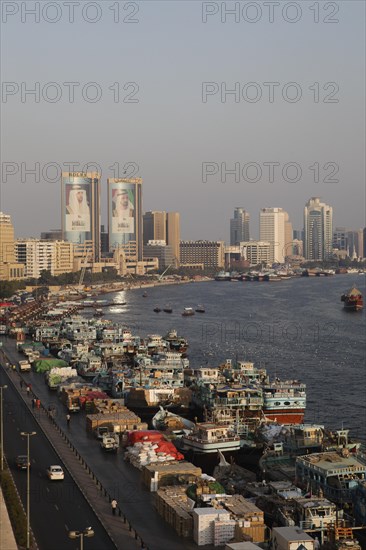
177,131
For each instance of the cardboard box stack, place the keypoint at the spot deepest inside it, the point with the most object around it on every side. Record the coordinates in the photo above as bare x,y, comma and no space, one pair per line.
250,519
203,524
74,390
107,406
174,506
242,546
223,531
159,475
123,420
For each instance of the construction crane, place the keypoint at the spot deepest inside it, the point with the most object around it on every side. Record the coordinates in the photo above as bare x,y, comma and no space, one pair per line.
169,266
84,265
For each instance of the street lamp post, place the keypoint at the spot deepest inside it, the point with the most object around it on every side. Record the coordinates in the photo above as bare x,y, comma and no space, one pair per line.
28,435
2,428
88,532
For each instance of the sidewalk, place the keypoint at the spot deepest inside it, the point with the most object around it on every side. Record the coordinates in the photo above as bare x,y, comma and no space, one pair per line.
7,539
118,528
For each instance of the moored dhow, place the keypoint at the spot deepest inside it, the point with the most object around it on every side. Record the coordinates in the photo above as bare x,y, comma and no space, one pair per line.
284,401
209,437
352,299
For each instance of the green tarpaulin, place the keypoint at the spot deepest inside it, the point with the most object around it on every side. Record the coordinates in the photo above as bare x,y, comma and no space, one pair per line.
44,365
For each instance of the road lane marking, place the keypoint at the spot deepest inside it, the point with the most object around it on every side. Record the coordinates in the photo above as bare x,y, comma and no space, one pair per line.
56,507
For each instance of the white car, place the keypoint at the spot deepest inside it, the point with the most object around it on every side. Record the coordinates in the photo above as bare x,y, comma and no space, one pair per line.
55,473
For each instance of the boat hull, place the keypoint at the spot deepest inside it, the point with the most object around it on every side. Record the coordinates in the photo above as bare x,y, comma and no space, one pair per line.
293,416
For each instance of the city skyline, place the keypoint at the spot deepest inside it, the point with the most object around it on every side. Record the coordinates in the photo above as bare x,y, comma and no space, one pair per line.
254,220
167,114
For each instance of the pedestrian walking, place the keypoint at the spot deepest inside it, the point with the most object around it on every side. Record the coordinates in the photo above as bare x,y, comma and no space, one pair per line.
21,384
28,391
38,403
33,403
114,506
68,417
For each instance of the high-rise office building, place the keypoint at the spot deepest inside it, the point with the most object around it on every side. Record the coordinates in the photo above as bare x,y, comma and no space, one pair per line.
272,228
125,216
173,234
104,244
80,212
340,238
154,226
288,236
355,243
163,226
239,226
318,229
9,267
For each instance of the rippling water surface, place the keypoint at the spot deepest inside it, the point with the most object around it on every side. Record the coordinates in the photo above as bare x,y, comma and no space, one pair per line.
296,329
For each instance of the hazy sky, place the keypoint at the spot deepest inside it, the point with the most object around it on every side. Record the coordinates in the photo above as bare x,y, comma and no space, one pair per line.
169,123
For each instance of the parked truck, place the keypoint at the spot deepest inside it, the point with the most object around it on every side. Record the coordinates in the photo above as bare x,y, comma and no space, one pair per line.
110,443
24,366
73,404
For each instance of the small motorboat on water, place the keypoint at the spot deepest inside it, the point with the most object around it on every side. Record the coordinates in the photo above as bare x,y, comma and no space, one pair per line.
157,309
188,311
168,309
144,294
200,309
98,312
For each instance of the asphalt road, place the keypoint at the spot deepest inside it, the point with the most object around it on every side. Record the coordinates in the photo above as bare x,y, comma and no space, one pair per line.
121,480
57,507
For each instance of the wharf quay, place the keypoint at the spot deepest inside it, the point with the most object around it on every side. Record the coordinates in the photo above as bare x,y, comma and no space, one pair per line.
101,477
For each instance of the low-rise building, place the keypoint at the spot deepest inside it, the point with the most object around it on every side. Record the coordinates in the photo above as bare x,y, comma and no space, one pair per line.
211,254
256,252
160,250
37,256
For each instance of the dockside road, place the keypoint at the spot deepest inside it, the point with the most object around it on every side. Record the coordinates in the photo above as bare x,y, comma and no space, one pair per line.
101,476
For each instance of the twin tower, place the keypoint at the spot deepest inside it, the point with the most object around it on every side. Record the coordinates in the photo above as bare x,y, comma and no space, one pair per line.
81,218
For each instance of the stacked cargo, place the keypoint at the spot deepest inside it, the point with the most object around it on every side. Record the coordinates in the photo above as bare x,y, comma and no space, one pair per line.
149,447
223,531
159,475
107,406
174,506
70,395
141,454
204,525
250,519
121,421
57,375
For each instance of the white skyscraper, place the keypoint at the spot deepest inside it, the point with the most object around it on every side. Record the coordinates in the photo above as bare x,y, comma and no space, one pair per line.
318,229
272,223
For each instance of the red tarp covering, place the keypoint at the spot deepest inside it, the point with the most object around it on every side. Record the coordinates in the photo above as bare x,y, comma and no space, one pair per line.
138,436
158,439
